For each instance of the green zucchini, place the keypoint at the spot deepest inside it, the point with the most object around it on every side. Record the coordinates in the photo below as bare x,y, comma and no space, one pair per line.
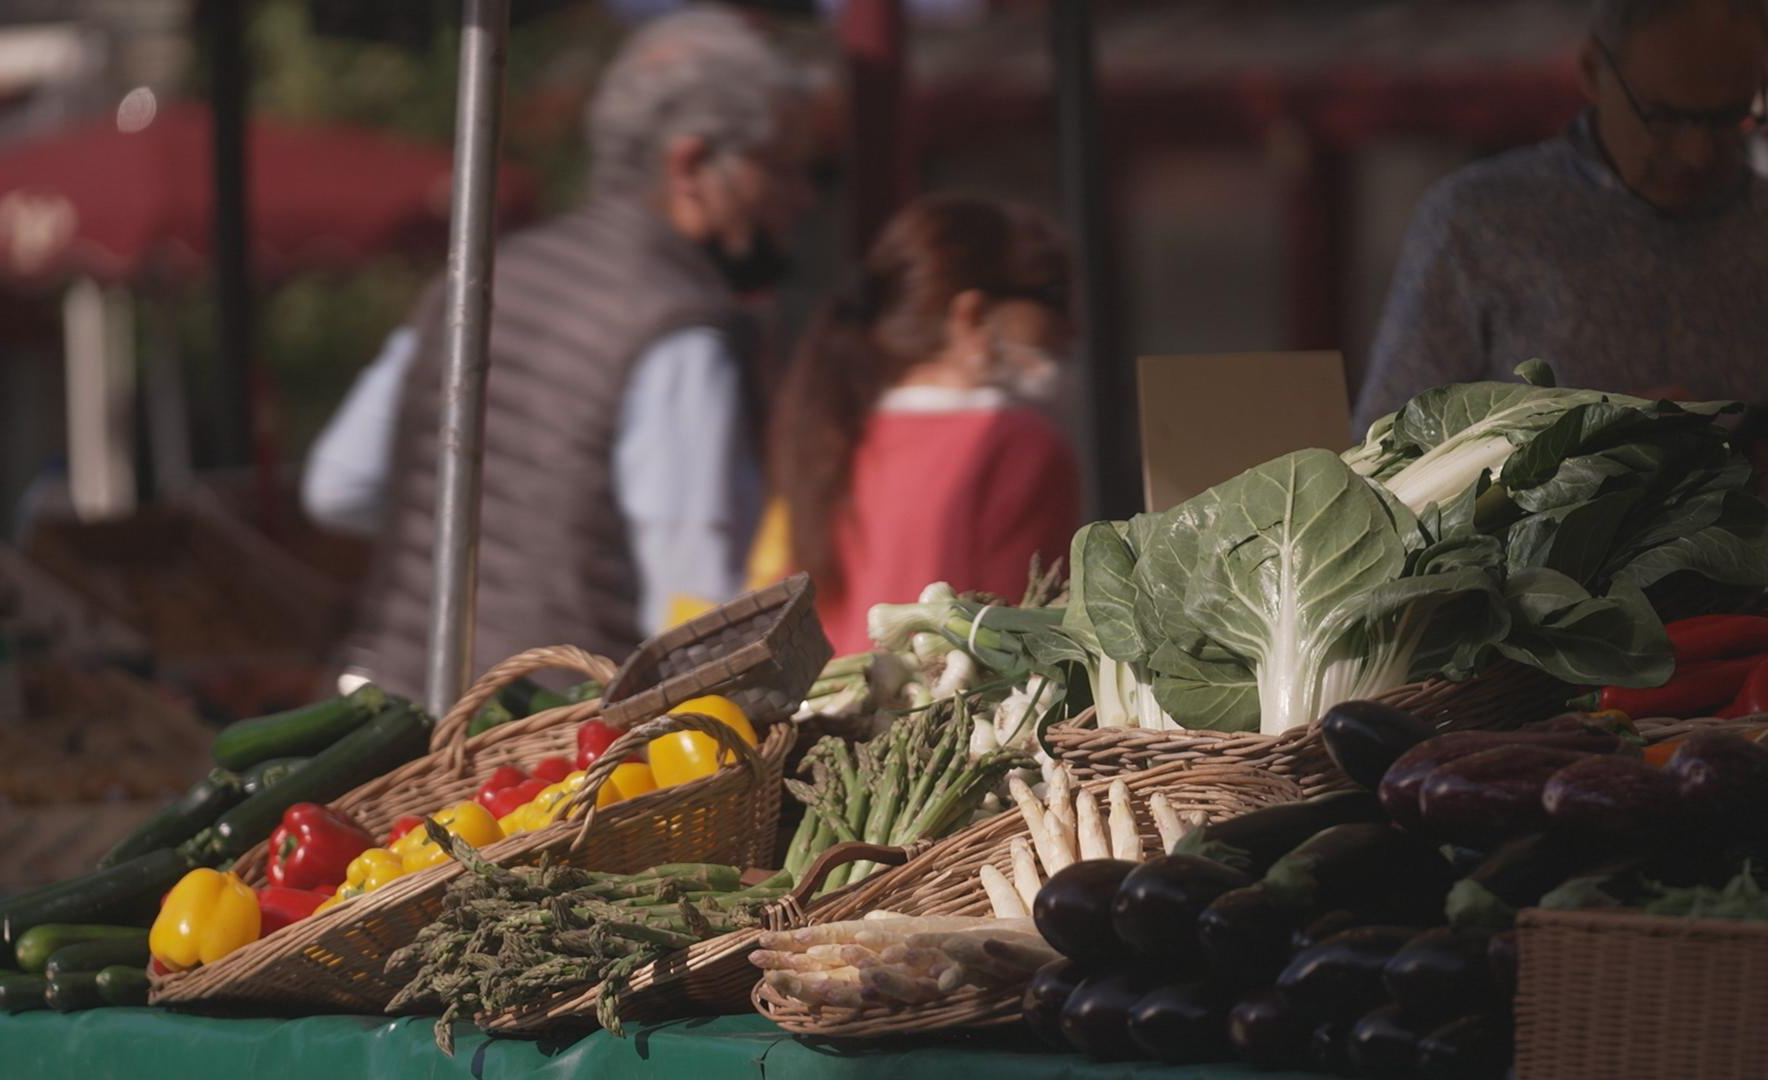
72,991
525,697
587,690
22,993
400,733
297,732
98,954
184,817
269,773
123,985
126,892
36,946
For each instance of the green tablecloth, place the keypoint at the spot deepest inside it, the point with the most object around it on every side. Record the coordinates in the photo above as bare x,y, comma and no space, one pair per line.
141,1044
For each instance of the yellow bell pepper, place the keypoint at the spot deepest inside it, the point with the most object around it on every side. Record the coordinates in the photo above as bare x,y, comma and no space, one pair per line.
628,779
334,899
409,842
682,756
207,915
468,820
369,871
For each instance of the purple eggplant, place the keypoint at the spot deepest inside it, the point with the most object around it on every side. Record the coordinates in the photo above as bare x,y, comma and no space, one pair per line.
1723,781
1096,1017
1362,867
1384,1044
1329,1049
1612,799
1341,978
1268,1030
1254,840
1484,799
1472,1048
1365,738
1181,1023
1073,910
1443,974
1045,997
1401,787
1245,936
1156,908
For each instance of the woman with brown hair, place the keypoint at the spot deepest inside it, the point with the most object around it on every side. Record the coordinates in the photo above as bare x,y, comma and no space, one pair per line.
904,443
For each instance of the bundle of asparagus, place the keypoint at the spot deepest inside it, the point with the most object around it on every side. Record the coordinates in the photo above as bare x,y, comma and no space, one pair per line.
1067,827
915,781
897,960
509,937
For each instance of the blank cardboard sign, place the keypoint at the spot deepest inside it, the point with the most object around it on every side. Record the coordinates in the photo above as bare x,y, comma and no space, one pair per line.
1206,419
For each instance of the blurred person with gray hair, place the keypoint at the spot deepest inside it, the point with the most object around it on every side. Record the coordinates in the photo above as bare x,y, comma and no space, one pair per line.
1631,252
622,436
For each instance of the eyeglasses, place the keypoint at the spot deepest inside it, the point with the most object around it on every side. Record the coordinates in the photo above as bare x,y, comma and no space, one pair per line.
1663,122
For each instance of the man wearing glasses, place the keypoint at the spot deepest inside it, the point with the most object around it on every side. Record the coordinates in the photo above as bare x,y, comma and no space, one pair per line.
1631,253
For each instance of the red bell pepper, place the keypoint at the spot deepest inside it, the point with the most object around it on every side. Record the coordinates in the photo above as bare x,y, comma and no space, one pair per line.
1694,689
313,846
1716,637
511,797
593,740
278,907
401,827
1753,697
552,769
506,776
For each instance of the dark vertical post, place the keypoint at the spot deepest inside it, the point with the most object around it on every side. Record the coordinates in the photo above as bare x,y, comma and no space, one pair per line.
232,254
1110,382
484,54
1317,264
878,165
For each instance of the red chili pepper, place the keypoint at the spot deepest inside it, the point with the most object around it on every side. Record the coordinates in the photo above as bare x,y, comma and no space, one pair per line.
511,797
1753,697
1695,689
506,776
278,907
552,769
593,740
313,846
1716,637
401,827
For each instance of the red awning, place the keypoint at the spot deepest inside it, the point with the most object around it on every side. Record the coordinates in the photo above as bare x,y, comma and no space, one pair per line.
118,196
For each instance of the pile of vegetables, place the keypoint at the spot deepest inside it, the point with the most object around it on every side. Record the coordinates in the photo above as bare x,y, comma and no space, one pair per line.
1367,932
265,766
512,937
916,781
891,960
1519,520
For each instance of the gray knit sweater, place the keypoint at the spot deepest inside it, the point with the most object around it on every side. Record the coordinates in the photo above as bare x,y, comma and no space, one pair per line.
1542,252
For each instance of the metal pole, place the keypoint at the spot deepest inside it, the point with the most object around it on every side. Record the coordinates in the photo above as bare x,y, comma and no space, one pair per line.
1112,412
235,432
484,45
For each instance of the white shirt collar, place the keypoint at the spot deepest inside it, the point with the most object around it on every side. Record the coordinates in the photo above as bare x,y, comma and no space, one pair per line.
935,399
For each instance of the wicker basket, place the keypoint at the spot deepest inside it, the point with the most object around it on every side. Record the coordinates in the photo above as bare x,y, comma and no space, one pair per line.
763,649
1622,996
1505,696
335,960
943,881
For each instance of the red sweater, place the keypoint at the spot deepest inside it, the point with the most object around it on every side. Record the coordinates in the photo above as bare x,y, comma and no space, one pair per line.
964,497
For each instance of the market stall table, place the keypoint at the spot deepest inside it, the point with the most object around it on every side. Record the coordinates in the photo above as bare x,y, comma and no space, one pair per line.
146,1043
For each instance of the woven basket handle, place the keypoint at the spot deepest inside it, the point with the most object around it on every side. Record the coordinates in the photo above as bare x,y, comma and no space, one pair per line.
452,731
729,742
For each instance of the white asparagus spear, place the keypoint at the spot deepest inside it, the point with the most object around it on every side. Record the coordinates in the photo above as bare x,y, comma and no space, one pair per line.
1043,838
773,960
1059,800
1026,956
1089,828
1001,894
1166,820
1126,841
899,985
1025,878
